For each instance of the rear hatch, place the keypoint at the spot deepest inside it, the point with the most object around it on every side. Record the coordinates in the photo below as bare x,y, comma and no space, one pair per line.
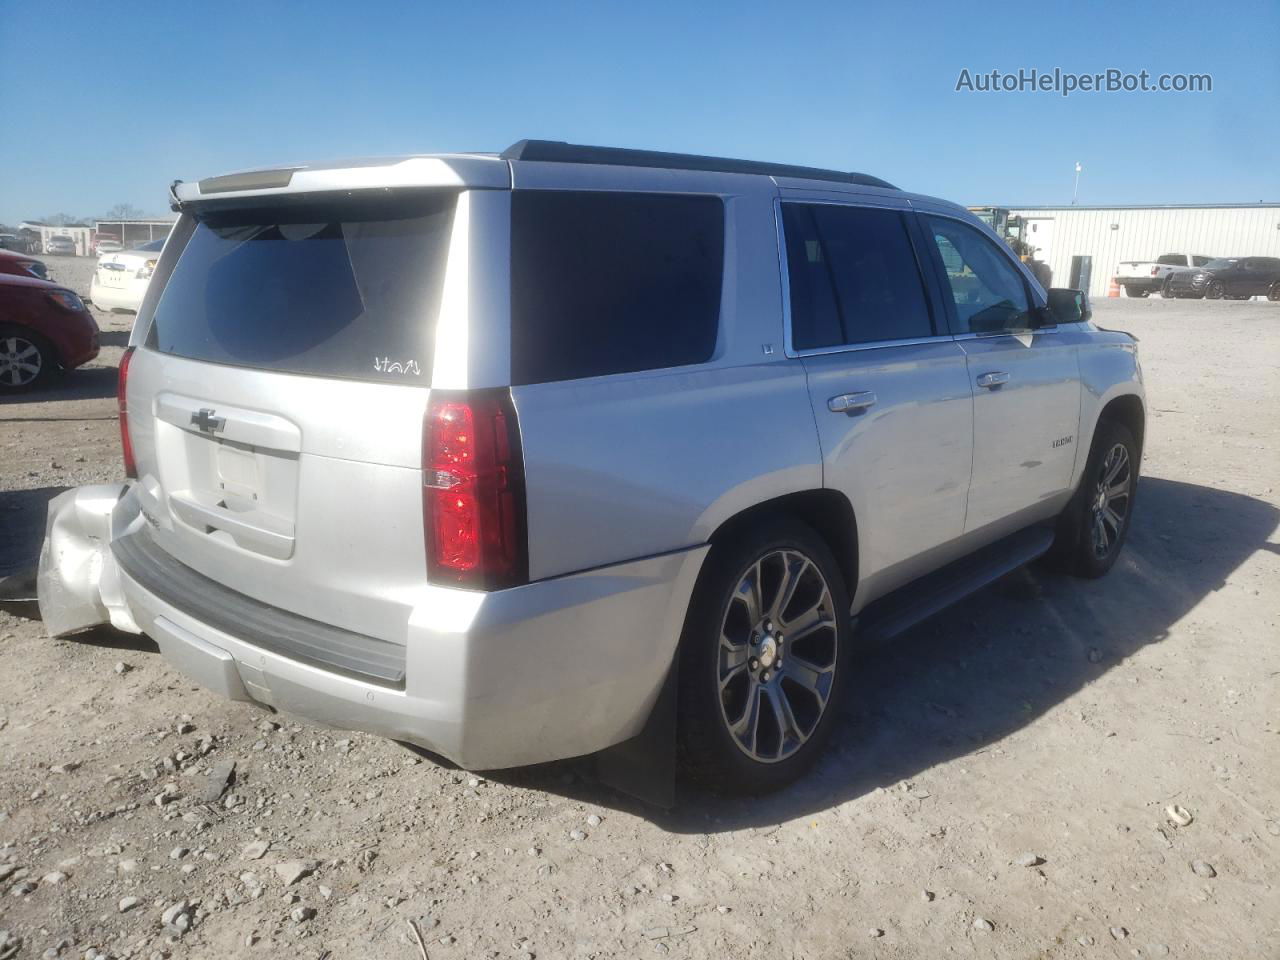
277,395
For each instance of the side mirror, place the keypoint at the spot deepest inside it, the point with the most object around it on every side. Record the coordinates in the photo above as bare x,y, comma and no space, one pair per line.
1069,306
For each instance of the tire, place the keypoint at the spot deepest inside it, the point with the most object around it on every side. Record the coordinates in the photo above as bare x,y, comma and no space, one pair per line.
1215,290
1274,293
1137,293
722,637
26,359
1077,549
1166,291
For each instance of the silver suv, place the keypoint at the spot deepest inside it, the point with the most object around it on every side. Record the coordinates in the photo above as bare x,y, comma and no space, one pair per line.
504,454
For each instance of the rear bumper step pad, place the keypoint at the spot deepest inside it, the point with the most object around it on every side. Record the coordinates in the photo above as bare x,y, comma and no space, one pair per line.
275,630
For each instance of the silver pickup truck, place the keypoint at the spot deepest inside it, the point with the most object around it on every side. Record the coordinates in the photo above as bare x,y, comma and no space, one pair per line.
506,455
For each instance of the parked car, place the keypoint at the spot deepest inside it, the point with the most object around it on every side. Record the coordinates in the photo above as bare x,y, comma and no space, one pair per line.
107,245
1141,278
43,328
121,279
60,246
11,241
508,456
1233,278
23,265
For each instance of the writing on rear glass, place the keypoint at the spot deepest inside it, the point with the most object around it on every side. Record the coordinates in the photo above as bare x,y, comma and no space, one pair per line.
405,367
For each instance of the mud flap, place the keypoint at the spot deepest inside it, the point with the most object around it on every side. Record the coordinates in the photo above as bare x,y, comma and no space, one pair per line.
77,584
644,767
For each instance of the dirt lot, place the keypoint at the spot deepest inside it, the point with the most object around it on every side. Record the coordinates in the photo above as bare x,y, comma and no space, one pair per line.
1047,722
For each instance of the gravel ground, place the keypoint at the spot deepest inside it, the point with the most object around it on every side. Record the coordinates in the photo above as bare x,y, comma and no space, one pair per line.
1055,768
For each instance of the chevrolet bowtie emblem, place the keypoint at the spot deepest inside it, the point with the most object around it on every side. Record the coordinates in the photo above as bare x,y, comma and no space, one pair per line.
204,421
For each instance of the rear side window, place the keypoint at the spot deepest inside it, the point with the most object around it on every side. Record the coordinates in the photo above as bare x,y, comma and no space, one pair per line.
346,289
1200,261
607,283
853,275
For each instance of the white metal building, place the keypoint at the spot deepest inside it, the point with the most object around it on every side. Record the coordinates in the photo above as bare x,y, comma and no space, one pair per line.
1112,234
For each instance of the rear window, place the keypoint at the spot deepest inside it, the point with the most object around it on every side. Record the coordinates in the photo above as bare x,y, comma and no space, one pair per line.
1173,260
607,283
348,289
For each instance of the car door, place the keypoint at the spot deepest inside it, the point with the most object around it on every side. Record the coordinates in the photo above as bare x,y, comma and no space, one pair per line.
1026,379
1255,278
888,385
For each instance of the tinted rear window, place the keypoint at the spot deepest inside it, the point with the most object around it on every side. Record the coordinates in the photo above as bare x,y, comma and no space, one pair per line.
612,282
853,276
338,290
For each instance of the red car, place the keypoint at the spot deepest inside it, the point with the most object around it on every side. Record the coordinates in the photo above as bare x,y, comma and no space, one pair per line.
22,265
43,327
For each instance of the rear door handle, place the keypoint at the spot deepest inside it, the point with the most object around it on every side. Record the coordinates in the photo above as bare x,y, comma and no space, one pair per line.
851,402
995,378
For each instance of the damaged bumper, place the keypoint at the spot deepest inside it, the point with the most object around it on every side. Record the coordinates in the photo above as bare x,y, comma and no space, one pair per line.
78,584
549,670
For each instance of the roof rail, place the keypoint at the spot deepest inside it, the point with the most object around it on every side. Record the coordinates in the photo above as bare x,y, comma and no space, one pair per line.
557,151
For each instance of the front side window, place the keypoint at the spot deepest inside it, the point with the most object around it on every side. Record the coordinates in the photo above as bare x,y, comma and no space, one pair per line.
988,291
610,282
853,276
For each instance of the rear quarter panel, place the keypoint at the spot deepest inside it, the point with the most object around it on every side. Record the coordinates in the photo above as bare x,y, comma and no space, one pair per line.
632,465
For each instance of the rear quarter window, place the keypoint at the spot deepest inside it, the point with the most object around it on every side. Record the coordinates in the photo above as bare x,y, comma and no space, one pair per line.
345,289
605,283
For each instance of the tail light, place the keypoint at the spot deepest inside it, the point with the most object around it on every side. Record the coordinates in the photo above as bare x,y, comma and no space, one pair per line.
473,498
122,389
1154,271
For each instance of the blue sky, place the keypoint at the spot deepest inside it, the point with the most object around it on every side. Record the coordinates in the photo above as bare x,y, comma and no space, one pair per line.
107,103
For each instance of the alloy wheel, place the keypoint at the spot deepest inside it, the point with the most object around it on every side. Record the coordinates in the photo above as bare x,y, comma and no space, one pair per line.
20,361
1111,499
1214,291
777,655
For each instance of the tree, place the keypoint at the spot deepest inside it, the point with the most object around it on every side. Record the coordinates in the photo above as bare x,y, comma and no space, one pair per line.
123,211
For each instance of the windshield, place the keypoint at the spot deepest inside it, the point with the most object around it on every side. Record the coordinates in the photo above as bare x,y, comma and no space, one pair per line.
154,246
346,289
1222,263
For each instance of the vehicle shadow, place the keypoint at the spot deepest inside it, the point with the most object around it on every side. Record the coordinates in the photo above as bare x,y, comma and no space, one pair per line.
990,665
22,518
85,383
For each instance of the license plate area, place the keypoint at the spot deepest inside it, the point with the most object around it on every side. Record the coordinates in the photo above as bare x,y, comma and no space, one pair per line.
230,475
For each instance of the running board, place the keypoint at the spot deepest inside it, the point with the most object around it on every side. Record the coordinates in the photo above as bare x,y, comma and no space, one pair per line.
901,610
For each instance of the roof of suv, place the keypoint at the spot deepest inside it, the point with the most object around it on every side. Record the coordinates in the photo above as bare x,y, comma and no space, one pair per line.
484,170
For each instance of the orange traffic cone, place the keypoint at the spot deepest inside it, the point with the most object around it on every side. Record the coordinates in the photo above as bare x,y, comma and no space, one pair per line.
1114,290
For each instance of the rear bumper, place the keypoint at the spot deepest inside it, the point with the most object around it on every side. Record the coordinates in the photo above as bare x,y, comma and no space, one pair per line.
554,669
1141,283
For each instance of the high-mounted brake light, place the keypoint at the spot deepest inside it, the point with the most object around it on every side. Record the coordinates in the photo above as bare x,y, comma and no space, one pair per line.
122,389
473,496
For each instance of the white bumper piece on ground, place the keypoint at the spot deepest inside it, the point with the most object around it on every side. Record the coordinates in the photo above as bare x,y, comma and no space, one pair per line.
554,669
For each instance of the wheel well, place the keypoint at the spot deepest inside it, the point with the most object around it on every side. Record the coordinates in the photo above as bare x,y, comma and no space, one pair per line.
1127,411
828,512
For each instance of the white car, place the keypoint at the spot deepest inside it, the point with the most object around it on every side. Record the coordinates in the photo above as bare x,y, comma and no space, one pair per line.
107,245
121,279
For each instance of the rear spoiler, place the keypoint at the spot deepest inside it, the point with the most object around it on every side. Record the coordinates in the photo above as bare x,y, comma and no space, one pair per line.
445,171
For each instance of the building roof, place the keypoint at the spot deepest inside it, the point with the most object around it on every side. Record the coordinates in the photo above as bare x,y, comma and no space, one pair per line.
1261,204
